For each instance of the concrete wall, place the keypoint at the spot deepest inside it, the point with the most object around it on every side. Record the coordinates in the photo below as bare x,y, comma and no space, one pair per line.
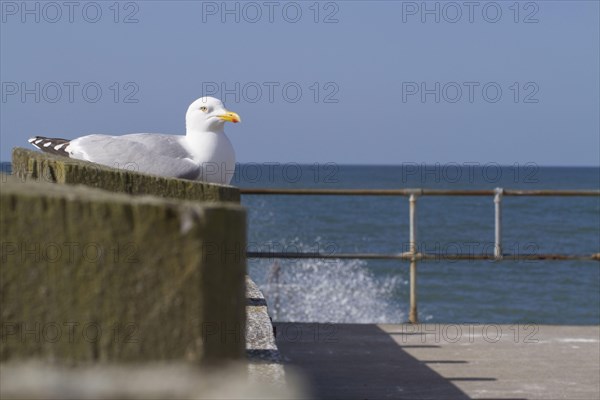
265,364
90,275
34,165
94,275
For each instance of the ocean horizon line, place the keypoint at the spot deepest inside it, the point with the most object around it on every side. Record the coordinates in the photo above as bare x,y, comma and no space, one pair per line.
464,164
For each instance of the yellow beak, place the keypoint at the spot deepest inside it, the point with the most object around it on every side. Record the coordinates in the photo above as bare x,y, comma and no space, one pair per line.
230,117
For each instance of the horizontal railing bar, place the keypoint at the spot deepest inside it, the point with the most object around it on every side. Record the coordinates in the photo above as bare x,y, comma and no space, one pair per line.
423,256
515,192
421,192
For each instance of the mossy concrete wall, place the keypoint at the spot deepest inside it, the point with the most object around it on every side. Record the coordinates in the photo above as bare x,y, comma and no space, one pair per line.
89,275
34,165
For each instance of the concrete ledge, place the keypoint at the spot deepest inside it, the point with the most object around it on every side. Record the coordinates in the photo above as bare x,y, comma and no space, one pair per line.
263,355
263,377
34,165
89,275
147,381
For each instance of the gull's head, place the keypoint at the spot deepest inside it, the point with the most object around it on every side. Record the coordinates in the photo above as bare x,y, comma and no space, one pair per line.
208,114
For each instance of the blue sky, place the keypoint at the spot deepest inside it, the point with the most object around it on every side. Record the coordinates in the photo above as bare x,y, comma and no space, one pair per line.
354,82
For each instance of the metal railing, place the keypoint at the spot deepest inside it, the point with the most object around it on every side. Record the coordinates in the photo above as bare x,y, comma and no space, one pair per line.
413,255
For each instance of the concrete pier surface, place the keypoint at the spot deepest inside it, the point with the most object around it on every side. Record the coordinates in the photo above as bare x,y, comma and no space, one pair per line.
444,361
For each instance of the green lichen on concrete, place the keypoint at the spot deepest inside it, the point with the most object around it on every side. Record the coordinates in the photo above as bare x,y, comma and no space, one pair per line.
89,275
27,164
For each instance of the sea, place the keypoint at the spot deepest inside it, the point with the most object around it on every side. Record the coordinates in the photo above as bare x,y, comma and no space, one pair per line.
449,291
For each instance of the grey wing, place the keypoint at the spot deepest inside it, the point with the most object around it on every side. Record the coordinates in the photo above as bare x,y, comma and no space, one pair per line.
150,154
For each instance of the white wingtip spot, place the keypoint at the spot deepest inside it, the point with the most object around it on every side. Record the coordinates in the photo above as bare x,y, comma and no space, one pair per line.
31,140
58,147
47,144
38,141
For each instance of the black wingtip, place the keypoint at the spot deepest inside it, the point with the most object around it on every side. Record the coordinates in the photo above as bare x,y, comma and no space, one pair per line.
56,146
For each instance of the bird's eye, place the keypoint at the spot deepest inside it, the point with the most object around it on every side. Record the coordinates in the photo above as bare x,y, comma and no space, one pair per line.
204,109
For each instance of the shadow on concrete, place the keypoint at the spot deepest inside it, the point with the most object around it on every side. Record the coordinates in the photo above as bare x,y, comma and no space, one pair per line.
356,361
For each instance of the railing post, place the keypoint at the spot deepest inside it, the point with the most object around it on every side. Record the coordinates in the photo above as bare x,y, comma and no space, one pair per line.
413,315
498,223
